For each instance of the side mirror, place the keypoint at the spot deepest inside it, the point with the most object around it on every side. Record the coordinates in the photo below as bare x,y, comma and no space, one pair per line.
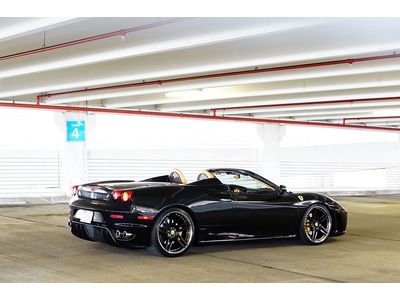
283,189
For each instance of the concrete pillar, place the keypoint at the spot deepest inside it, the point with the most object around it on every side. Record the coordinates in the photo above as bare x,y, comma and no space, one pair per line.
73,154
270,135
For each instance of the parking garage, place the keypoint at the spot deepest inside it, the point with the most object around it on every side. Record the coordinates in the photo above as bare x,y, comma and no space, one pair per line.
309,103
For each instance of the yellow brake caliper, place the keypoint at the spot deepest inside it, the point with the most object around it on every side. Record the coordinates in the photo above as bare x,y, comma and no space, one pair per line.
308,227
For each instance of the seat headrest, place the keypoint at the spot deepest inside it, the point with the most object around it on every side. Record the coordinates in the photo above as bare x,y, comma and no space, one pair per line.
177,176
205,175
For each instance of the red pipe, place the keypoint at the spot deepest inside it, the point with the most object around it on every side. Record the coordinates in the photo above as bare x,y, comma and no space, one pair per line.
225,74
192,116
121,32
370,118
309,103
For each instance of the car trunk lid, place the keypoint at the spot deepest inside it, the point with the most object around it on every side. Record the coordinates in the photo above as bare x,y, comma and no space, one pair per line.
103,190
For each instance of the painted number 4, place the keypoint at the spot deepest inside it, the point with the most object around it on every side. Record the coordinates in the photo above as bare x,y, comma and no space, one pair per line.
75,133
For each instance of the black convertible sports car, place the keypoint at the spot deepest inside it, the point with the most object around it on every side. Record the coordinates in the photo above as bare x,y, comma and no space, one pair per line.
168,215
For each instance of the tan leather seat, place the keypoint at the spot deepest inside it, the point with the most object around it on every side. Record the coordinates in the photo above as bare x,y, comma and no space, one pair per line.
205,175
177,176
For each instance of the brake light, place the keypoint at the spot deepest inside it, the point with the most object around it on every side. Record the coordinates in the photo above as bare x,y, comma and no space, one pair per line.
75,190
122,196
116,194
126,196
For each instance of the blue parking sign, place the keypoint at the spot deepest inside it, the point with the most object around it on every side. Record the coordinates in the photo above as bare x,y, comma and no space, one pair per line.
76,131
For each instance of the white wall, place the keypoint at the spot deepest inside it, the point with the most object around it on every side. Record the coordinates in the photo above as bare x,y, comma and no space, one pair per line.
345,167
29,172
34,160
142,147
140,164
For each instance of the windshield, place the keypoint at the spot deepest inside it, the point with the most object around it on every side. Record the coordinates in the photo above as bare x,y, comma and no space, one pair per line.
247,181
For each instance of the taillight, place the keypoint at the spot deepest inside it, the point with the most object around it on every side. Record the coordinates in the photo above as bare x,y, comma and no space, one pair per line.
116,194
122,196
126,196
75,190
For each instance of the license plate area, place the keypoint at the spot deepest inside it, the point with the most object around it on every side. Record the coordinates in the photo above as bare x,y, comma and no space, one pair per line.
85,216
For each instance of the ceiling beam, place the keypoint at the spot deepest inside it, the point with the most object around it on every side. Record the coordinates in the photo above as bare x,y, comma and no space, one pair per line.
372,119
264,89
112,49
266,51
320,96
122,33
335,118
197,116
321,112
313,105
26,26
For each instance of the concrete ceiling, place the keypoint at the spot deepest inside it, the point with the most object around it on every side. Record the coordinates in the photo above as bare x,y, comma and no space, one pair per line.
159,49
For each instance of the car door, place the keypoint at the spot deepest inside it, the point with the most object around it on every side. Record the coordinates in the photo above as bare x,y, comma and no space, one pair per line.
214,214
263,213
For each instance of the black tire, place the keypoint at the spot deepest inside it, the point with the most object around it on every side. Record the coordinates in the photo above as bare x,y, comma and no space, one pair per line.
172,233
315,225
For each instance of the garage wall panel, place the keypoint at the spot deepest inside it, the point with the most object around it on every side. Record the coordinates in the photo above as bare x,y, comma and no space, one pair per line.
26,173
140,164
348,167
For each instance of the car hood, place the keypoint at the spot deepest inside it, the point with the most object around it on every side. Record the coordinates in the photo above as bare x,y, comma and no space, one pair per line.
309,198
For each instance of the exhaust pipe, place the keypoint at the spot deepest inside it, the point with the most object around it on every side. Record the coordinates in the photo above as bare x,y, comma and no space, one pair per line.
123,235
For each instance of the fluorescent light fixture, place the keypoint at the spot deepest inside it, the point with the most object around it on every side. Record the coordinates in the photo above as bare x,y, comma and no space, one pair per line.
387,112
388,123
215,94
373,104
200,105
227,92
184,94
221,82
364,110
333,116
311,113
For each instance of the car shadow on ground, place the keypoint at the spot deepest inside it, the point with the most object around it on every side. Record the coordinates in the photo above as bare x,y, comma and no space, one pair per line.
247,245
209,248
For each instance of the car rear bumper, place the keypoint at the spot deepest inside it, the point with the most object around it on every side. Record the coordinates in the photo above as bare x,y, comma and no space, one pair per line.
117,234
104,229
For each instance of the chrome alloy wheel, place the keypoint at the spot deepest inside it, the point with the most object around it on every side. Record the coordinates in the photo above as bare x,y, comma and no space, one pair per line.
317,224
175,232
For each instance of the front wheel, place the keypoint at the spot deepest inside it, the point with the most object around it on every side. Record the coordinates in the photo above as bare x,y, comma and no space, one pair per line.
172,233
315,225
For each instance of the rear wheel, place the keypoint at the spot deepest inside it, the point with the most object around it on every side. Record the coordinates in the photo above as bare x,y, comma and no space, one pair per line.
315,225
172,233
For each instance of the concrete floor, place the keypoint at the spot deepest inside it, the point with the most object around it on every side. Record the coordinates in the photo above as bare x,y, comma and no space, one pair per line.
36,246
